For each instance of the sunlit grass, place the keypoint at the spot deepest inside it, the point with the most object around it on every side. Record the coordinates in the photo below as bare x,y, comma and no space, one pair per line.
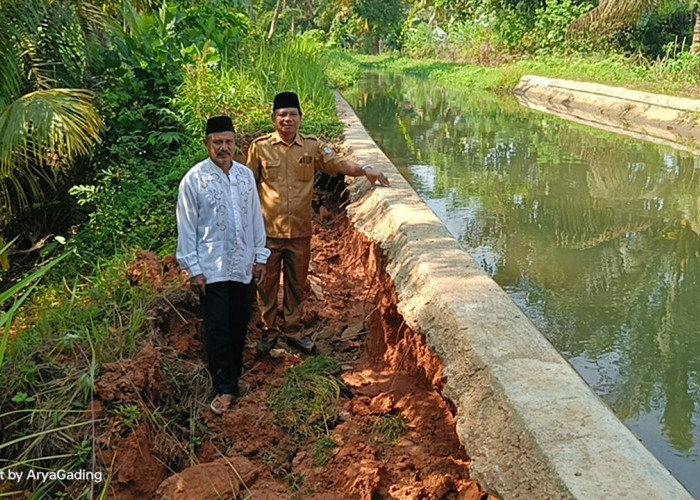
384,428
669,76
246,90
306,403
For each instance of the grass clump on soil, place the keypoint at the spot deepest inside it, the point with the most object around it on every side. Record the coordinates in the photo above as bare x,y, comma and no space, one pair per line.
306,403
384,428
306,407
91,367
323,451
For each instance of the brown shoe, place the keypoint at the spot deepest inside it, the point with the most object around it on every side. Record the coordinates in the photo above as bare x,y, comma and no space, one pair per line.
304,344
266,342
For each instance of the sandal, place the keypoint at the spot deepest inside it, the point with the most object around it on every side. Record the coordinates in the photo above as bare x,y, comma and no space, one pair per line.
221,403
243,388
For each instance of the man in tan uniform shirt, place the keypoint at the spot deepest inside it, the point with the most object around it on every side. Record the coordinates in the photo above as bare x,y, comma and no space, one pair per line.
284,163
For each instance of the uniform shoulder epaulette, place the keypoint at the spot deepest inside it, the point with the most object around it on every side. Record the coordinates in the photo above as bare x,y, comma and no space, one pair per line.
309,136
262,138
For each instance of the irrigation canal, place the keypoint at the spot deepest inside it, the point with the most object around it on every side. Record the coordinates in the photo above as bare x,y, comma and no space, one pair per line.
595,236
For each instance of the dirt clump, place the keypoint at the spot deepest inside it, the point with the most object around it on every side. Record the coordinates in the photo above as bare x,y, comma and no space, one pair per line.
391,433
133,466
222,478
147,268
129,379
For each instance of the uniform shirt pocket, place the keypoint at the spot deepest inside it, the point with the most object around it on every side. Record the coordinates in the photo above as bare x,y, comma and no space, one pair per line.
270,170
305,168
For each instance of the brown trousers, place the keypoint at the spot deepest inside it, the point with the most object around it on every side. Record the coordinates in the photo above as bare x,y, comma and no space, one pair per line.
292,255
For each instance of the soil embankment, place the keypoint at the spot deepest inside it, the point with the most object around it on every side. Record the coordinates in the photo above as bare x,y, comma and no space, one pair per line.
386,368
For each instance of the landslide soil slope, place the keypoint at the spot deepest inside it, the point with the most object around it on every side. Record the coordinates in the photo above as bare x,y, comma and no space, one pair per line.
387,369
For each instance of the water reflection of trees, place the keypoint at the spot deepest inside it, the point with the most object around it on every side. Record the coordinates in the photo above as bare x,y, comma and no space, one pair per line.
598,234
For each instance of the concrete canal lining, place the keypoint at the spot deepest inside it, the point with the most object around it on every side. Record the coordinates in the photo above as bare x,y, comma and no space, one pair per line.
662,119
531,426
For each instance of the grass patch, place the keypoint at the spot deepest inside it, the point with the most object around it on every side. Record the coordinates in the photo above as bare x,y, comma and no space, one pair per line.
306,402
295,481
341,68
50,375
668,76
246,91
323,451
384,428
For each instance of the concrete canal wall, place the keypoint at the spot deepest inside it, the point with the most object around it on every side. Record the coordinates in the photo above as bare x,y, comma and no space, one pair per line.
531,426
672,121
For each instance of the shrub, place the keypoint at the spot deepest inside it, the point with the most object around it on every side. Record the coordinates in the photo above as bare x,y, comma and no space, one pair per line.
246,90
551,22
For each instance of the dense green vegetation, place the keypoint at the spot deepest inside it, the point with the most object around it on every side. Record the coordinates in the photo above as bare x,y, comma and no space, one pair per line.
102,106
85,196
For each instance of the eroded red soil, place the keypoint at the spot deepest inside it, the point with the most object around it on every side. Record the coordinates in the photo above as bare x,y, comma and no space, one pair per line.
351,307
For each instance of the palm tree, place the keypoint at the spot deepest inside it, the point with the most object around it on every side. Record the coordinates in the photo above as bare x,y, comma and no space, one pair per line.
695,45
46,119
614,15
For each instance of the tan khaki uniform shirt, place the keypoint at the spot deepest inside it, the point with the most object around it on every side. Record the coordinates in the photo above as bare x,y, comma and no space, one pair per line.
285,177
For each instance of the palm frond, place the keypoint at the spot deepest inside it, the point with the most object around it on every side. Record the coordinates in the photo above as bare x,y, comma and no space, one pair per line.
49,123
612,15
11,76
40,132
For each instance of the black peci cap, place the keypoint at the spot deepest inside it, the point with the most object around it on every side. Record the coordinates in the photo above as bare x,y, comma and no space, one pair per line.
217,124
286,100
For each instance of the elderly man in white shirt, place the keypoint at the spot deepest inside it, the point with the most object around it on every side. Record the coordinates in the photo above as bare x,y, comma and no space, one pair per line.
221,245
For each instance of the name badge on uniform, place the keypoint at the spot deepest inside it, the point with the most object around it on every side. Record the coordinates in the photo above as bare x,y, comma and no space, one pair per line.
306,159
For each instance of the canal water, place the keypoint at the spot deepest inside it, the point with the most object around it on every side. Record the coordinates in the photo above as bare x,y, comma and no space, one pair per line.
594,235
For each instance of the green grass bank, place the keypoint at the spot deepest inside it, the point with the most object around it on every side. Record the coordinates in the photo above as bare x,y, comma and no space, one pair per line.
663,77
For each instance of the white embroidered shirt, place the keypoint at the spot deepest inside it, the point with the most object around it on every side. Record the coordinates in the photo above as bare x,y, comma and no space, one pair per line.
221,232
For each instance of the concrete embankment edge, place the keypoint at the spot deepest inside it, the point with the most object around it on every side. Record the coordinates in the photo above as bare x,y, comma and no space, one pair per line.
671,121
531,426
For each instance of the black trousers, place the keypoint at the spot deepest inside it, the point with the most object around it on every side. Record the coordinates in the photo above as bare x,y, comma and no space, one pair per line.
226,312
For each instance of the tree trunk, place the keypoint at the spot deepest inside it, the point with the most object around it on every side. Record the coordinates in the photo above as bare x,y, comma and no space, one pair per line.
275,18
695,45
251,10
309,4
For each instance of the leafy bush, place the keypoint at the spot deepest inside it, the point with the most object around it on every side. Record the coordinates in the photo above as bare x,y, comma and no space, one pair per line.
219,21
423,40
510,27
133,193
551,22
345,32
246,90
341,68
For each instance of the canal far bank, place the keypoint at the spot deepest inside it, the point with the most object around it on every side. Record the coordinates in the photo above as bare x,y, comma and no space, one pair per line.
531,426
661,119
